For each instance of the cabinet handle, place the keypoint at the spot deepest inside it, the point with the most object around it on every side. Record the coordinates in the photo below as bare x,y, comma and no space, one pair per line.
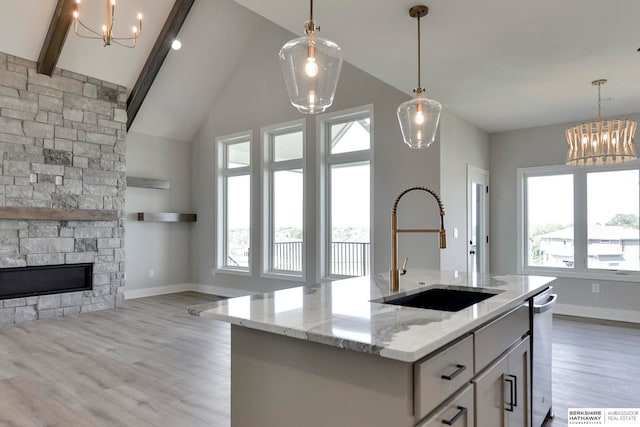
461,411
455,373
510,380
515,390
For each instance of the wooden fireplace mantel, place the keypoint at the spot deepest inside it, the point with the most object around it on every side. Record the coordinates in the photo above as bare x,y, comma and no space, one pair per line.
57,214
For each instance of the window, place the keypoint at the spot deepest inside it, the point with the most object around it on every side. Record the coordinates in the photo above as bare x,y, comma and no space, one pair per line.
612,220
234,202
550,231
284,200
346,191
577,221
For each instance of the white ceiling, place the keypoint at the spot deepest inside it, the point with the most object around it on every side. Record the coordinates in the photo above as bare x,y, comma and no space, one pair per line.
501,64
24,24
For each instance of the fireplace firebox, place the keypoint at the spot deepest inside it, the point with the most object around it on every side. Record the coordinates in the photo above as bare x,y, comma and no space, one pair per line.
17,282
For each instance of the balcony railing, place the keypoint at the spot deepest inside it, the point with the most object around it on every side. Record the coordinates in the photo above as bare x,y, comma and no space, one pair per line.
347,258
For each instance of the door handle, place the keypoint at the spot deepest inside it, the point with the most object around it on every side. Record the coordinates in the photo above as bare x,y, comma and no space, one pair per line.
515,390
510,381
472,252
461,411
546,306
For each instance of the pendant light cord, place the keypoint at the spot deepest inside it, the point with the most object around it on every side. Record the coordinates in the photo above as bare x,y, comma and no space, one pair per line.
311,11
599,102
419,86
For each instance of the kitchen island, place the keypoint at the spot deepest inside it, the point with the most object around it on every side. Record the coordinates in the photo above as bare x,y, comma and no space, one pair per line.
336,354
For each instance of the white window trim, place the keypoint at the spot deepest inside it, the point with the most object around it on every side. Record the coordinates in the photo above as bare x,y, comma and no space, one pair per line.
324,161
267,168
221,220
580,270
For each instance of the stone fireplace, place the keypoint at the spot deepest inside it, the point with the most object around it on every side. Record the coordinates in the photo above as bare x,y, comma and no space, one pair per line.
62,184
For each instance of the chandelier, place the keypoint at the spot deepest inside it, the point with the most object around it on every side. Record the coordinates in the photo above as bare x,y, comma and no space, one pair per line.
419,117
311,67
601,142
106,35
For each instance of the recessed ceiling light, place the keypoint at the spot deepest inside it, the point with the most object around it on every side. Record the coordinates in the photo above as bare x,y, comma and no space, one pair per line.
176,44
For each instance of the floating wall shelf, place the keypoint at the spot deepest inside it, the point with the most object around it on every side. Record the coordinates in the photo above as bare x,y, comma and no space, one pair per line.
57,214
167,217
133,181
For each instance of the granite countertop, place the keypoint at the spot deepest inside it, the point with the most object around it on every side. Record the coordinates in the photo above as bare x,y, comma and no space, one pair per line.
341,313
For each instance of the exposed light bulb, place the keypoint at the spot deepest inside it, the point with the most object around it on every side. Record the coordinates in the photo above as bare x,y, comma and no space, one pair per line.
312,98
75,14
419,118
419,135
104,28
113,2
311,67
176,44
139,17
78,1
134,29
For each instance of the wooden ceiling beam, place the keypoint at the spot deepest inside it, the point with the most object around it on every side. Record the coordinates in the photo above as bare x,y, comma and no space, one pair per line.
56,36
157,56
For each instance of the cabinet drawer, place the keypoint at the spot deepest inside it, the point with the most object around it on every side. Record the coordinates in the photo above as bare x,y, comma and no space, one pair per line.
438,377
492,340
458,412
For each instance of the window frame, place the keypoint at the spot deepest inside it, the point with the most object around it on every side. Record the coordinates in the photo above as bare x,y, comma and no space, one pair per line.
325,161
580,269
269,167
222,175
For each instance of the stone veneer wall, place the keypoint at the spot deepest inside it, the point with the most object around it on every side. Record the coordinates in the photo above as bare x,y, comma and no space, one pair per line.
62,145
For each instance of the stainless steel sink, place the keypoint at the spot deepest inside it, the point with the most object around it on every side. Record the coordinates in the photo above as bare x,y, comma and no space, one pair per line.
445,299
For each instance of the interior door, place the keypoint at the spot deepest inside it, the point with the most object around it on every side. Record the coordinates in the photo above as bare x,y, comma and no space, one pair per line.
477,220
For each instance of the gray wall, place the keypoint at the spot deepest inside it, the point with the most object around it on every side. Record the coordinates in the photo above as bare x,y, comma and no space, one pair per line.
255,97
539,147
158,246
462,144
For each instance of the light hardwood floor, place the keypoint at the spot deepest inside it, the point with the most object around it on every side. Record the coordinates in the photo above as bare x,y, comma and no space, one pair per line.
152,364
595,365
148,364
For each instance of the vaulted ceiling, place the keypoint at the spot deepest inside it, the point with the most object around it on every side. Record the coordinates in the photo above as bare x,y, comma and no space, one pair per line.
501,64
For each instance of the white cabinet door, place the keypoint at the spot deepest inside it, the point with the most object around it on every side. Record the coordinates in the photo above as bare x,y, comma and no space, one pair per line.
490,395
519,375
502,392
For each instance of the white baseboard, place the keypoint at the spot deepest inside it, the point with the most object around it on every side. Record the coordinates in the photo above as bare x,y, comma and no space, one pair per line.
598,313
185,287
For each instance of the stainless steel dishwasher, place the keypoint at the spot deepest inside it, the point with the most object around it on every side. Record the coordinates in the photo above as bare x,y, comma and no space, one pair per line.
541,356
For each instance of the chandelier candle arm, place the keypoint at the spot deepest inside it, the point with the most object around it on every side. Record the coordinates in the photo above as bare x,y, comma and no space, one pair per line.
419,117
601,142
107,29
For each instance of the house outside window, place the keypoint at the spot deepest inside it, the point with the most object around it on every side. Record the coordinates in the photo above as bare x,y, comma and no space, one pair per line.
234,203
345,189
284,200
576,222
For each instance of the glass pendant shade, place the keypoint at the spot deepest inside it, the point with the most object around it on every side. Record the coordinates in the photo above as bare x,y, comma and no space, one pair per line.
601,142
419,119
311,68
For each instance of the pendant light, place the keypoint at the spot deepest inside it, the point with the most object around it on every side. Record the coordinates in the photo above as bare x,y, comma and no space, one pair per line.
419,117
601,142
311,67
